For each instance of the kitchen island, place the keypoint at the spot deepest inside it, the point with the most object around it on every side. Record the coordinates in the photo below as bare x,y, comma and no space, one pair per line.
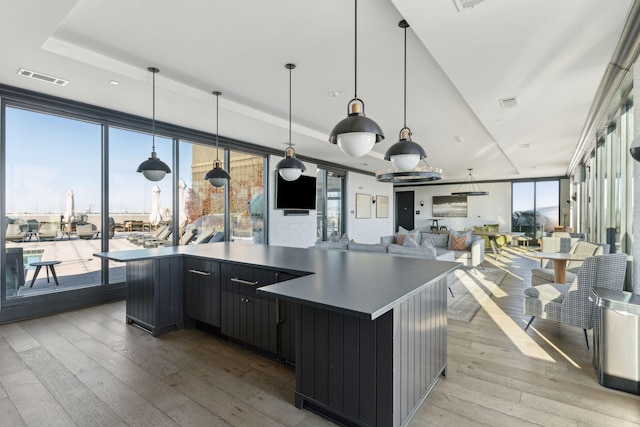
369,334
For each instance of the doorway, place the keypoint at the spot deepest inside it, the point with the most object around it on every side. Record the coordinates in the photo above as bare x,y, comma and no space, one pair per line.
404,210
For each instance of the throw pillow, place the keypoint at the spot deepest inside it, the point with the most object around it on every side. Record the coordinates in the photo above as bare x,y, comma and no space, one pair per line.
402,233
344,238
334,237
409,242
426,242
458,243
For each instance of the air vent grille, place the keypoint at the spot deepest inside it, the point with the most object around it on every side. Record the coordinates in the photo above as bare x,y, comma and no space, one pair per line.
509,102
463,5
43,77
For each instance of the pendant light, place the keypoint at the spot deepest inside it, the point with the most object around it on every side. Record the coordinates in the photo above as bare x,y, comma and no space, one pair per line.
153,168
470,188
217,176
290,168
405,154
356,134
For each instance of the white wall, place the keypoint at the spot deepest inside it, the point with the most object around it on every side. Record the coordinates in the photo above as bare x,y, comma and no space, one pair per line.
294,231
492,209
368,230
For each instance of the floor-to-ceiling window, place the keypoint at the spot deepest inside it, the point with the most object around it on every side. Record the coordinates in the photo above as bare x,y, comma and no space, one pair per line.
52,202
330,203
246,197
535,209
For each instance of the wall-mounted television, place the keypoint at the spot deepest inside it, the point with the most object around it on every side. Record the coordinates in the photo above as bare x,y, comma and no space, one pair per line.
298,194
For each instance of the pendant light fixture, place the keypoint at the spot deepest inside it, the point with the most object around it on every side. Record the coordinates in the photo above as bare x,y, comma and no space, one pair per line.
356,134
290,168
405,154
217,176
470,188
153,168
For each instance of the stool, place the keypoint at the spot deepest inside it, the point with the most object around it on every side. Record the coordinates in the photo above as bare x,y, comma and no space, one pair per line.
48,265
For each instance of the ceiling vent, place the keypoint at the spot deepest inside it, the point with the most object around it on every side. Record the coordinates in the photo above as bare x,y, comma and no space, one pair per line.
43,77
509,102
463,5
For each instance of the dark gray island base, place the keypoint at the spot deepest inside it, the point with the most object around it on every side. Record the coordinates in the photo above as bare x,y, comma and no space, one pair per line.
370,329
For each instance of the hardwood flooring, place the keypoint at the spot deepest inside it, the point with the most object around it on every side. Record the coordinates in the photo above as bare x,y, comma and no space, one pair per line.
88,368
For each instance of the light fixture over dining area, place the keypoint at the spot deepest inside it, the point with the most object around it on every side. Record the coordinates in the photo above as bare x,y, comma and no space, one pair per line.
470,188
356,134
153,168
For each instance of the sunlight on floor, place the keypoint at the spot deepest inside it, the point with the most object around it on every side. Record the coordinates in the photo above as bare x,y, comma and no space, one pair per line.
560,352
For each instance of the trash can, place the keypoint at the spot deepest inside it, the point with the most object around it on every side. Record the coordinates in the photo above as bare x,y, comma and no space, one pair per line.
616,339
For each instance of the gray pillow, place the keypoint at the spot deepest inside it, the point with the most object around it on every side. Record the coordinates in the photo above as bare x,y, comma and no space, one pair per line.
426,241
332,245
409,242
344,238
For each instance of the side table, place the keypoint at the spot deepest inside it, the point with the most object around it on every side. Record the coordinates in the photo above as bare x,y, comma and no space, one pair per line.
48,265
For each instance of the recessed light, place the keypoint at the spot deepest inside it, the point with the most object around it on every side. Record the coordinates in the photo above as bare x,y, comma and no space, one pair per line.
365,164
524,145
334,93
459,139
533,167
114,82
509,102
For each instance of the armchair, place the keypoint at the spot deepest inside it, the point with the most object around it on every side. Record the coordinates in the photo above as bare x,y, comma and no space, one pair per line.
570,303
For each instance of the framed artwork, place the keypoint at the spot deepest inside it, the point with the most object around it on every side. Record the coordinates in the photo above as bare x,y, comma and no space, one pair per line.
382,206
450,206
363,205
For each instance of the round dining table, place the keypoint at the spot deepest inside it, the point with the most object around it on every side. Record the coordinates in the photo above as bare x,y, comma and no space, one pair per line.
560,260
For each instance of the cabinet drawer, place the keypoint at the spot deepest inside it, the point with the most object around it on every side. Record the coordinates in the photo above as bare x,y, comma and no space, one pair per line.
244,279
202,290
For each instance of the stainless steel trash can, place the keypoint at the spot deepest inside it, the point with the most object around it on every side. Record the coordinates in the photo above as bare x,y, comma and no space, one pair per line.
616,336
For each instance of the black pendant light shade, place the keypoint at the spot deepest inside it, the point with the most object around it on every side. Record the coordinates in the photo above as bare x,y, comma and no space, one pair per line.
290,168
405,154
470,188
357,134
217,176
153,168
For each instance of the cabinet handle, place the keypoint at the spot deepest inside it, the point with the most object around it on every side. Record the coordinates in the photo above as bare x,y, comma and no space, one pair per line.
202,273
244,282
245,300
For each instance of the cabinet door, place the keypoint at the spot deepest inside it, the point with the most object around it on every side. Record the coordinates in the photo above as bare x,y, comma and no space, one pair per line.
202,290
286,318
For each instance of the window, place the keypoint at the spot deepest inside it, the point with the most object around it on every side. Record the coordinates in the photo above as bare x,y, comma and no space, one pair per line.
535,207
246,198
330,203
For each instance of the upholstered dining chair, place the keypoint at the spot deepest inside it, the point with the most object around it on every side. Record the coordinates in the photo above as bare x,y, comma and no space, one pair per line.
570,303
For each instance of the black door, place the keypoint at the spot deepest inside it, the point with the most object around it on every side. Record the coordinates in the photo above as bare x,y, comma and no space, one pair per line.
404,210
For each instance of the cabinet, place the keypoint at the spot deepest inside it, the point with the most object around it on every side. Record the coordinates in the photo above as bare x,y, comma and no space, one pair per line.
246,316
286,317
202,290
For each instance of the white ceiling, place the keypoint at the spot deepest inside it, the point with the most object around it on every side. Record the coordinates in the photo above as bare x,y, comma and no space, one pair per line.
550,54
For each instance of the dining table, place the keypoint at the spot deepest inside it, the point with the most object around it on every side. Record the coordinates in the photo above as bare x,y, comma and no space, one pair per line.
492,239
560,260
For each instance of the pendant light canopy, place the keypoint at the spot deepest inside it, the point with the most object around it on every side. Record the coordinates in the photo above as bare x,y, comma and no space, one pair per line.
470,188
217,176
356,134
290,168
153,168
405,154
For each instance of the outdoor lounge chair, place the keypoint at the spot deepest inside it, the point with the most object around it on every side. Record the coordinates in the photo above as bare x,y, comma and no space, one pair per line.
570,303
86,231
16,232
188,234
203,236
48,231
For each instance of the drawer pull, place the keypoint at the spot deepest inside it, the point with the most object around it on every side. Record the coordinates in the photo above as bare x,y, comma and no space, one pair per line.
245,300
244,282
202,273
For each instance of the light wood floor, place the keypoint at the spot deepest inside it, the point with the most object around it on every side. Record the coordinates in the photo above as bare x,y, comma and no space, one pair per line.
88,368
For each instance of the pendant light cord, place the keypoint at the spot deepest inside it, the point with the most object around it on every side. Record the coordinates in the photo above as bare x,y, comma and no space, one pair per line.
217,121
290,69
355,76
153,111
405,77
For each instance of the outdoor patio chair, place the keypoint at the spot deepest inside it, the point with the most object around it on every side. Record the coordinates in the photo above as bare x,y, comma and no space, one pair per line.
218,237
48,231
16,232
570,303
188,234
86,231
203,236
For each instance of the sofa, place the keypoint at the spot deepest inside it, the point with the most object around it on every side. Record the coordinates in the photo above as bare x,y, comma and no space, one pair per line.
430,246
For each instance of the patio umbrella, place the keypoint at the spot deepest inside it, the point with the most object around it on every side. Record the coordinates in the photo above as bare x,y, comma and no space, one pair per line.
70,215
182,212
155,217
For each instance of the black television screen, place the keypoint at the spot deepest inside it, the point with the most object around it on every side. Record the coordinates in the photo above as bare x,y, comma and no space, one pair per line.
298,194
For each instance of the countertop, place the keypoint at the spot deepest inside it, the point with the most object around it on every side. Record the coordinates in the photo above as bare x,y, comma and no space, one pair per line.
365,285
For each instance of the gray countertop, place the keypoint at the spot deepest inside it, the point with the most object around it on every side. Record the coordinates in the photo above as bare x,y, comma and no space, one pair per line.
366,285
